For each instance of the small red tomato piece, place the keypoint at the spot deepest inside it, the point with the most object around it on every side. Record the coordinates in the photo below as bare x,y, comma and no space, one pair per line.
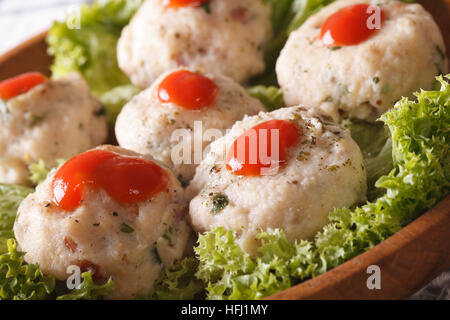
21,84
264,147
183,3
351,25
188,90
126,179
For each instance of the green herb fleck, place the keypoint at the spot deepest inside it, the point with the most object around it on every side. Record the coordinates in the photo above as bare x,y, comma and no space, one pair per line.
376,80
303,156
207,7
32,119
126,228
335,48
333,168
168,235
100,112
296,116
184,183
219,203
156,255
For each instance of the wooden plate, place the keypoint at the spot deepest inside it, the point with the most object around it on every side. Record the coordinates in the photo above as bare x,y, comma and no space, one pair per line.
408,260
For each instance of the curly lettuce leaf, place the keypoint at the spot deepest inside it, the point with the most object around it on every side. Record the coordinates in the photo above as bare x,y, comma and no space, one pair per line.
91,49
22,281
219,252
232,274
116,98
178,282
375,143
19,281
10,199
39,171
88,290
420,135
271,97
420,138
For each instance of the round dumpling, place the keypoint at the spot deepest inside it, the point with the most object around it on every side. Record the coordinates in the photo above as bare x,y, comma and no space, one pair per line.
103,231
320,168
363,80
221,36
56,119
175,131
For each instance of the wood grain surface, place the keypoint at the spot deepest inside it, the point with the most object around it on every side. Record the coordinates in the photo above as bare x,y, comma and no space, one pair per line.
29,56
408,260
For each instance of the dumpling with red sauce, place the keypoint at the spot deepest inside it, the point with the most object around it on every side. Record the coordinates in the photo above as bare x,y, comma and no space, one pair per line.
110,211
357,58
46,119
177,117
225,37
287,169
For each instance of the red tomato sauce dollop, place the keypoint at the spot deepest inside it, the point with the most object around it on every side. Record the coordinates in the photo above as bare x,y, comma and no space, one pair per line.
252,151
13,87
183,3
188,90
349,26
126,179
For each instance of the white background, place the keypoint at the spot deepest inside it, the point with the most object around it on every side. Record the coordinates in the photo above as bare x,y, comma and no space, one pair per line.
21,19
